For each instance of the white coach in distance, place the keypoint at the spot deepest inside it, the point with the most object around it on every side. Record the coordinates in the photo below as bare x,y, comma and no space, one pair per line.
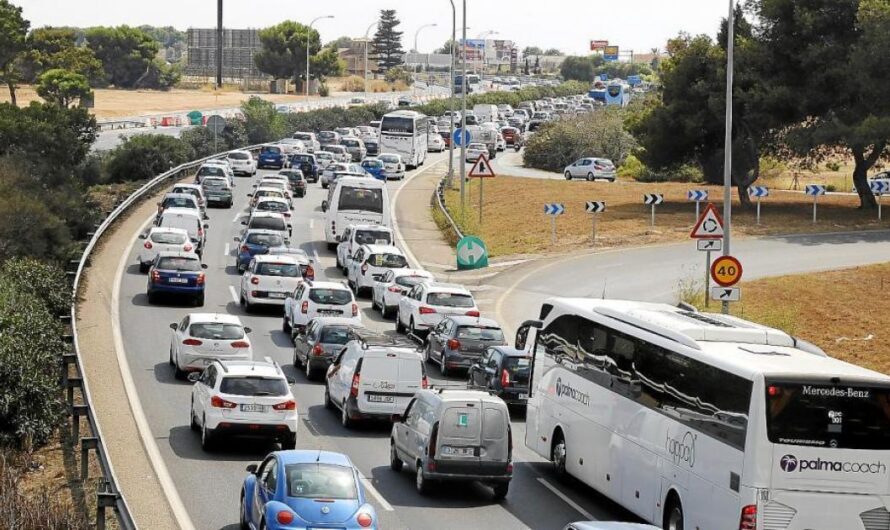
698,420
404,132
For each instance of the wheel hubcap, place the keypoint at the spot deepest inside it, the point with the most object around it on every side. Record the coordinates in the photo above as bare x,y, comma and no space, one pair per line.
559,455
419,477
675,522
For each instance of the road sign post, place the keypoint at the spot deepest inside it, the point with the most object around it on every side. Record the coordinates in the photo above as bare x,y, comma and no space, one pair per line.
653,200
553,210
758,192
471,253
593,208
879,188
217,124
697,196
481,170
815,191
708,230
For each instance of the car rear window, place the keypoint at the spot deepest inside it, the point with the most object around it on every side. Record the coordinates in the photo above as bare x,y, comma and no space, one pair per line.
253,386
187,191
461,423
336,335
320,481
283,270
450,299
168,238
480,333
517,365
372,164
330,296
361,199
239,156
271,149
389,261
349,143
267,240
211,170
216,331
269,193
214,183
173,263
272,206
303,158
372,237
389,159
494,424
179,202
268,223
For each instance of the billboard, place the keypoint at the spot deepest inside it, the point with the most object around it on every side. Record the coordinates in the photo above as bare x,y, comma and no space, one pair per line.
474,49
610,53
598,45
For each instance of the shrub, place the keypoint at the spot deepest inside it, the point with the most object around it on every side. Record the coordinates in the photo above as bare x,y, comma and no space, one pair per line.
47,282
323,90
833,166
145,156
559,143
262,122
352,83
399,74
24,510
685,173
631,168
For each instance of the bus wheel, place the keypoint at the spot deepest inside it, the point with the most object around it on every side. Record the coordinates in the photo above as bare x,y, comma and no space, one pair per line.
673,518
558,454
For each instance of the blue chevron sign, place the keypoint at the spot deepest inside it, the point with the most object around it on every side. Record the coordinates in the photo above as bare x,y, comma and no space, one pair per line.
758,191
880,186
697,195
554,209
815,190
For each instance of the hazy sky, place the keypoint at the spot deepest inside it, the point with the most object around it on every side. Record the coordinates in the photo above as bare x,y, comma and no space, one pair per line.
565,24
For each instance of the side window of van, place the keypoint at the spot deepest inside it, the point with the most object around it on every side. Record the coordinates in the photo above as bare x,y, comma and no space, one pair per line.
414,413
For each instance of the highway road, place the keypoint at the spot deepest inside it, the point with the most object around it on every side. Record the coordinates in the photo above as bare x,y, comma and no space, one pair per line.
209,483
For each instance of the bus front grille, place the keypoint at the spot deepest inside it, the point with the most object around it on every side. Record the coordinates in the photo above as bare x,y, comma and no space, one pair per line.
777,516
877,519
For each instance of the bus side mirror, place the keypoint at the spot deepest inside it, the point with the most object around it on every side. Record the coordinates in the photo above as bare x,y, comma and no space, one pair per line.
522,333
324,206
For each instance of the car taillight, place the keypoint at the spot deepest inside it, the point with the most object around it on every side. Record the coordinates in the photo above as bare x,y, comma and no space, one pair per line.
285,517
240,344
192,342
426,310
188,247
353,390
245,249
505,378
220,403
425,382
434,438
310,273
394,289
748,520
473,313
453,344
304,308
355,310
287,405
155,276
364,268
255,280
200,232
201,278
364,520
147,245
317,350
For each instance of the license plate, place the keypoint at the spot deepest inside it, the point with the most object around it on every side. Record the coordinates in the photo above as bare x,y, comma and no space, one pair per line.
253,408
277,295
381,399
329,312
459,451
523,396
177,280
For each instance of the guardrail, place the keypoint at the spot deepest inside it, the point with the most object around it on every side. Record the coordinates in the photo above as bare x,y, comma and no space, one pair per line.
108,494
440,202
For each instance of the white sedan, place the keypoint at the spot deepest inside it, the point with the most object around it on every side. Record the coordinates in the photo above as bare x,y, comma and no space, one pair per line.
474,151
393,165
392,287
435,143
201,338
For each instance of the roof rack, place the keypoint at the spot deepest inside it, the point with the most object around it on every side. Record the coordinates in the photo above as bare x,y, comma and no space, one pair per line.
222,364
274,363
372,339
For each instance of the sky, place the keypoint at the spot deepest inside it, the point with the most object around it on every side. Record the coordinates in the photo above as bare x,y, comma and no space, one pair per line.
568,25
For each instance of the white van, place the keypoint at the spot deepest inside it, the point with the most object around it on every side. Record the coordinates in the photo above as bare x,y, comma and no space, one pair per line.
486,112
374,377
355,201
188,220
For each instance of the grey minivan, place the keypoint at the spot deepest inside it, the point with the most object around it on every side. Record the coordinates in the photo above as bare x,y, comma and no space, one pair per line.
454,435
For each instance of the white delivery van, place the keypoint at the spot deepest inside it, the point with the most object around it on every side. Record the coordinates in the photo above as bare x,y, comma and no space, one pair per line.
486,112
355,201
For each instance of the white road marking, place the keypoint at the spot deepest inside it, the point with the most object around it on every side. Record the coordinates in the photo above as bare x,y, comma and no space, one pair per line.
311,223
234,294
227,250
566,499
376,494
236,218
148,440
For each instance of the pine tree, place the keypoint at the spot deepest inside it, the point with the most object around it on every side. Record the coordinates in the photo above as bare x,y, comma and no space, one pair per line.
387,45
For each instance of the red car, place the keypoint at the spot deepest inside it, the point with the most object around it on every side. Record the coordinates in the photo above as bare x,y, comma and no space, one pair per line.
511,135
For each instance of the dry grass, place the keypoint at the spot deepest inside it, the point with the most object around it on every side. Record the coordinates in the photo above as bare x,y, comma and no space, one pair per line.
514,221
826,308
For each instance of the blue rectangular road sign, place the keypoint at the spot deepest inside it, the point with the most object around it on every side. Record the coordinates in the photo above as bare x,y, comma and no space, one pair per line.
880,187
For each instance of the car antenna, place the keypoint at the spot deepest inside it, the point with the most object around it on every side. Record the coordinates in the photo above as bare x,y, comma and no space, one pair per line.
605,282
318,458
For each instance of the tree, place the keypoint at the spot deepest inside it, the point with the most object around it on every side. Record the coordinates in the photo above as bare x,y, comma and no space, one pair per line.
447,47
166,36
128,56
553,52
525,70
387,44
261,121
581,68
340,42
49,48
145,156
532,50
63,88
283,55
13,31
60,137
538,64
559,143
327,63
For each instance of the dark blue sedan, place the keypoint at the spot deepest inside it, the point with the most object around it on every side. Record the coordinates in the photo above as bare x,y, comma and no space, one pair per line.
256,242
301,489
375,168
178,274
271,156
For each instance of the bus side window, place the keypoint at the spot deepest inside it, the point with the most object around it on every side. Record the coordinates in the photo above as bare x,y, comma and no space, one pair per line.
560,339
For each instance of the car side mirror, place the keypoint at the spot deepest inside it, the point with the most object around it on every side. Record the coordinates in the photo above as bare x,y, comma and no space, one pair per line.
237,239
143,236
291,381
396,418
173,325
206,226
324,206
204,266
247,330
252,468
250,194
244,223
194,377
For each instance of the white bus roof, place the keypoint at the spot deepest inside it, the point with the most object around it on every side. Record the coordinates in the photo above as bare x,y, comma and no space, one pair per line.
360,182
740,346
404,114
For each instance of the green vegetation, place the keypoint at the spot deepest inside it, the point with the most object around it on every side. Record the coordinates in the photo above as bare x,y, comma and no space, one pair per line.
129,57
13,31
52,48
62,87
145,156
386,48
561,142
588,68
284,53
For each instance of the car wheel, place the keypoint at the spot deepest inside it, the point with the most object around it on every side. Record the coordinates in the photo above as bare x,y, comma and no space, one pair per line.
199,300
420,482
309,371
170,361
442,368
411,330
289,442
673,519
428,352
193,423
590,177
178,373
558,455
394,462
206,436
500,490
328,404
244,525
285,325
143,267
246,305
345,420
298,363
385,311
568,175
400,328
152,298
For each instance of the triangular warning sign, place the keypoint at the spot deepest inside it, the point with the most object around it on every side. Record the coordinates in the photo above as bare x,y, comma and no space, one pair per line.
482,168
709,225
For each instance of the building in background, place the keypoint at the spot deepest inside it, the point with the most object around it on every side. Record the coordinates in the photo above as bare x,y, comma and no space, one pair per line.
239,48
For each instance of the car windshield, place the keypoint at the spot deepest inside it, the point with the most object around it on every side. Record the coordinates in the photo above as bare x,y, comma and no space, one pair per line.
480,333
270,149
239,156
178,263
371,237
410,281
477,147
327,135
517,365
349,142
388,260
179,202
330,296
361,199
211,170
272,206
268,223
284,270
253,386
168,238
320,481
393,124
216,331
336,335
848,416
450,299
266,240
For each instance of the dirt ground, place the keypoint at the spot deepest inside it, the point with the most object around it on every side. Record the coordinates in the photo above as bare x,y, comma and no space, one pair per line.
514,221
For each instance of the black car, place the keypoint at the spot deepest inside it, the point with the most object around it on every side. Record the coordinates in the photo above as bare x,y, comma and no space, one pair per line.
316,344
307,164
458,342
372,148
504,371
297,182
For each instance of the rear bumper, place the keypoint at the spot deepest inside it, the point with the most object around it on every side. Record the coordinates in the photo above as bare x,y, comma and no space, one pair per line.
264,300
318,363
356,414
173,289
225,426
482,471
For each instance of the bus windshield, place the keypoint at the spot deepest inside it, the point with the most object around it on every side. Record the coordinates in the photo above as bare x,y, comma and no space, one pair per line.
397,125
825,415
361,200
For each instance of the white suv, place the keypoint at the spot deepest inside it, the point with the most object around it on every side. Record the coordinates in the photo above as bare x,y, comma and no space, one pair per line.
243,398
162,240
319,299
370,262
242,162
357,235
393,286
269,279
426,304
201,338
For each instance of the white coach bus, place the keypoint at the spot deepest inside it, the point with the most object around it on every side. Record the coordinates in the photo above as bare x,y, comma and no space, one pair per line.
404,132
701,421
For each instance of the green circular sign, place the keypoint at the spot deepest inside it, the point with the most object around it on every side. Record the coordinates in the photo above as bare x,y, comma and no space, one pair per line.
471,253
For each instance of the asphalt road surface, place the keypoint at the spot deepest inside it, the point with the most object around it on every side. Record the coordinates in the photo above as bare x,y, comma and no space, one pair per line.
209,483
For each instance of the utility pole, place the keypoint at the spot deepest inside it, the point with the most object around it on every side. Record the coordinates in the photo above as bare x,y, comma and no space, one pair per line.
727,140
451,99
219,42
463,118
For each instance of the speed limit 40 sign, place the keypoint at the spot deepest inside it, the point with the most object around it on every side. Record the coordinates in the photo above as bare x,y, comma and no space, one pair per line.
726,271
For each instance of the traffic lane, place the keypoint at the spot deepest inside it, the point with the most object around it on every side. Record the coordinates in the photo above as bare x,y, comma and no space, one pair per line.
107,140
509,162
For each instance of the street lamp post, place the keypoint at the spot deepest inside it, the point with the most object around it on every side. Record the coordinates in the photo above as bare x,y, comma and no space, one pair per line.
482,36
451,99
367,32
463,116
416,33
727,140
308,37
